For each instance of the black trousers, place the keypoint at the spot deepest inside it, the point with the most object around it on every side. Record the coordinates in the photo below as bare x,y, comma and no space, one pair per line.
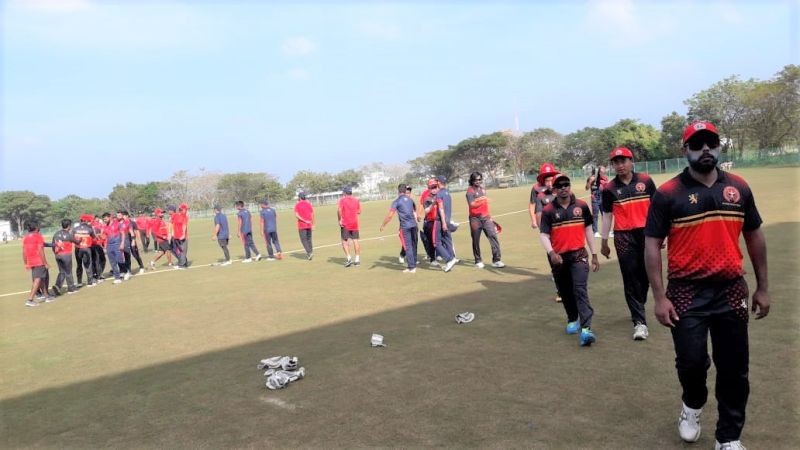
64,263
572,277
145,241
137,256
485,225
84,263
427,240
630,252
223,244
718,309
178,248
305,239
99,261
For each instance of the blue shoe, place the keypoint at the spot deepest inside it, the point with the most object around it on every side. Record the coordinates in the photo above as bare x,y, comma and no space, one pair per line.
586,338
573,327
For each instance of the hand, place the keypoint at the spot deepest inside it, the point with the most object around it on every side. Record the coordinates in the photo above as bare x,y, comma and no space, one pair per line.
213,238
595,263
122,247
555,258
533,225
665,313
760,305
604,248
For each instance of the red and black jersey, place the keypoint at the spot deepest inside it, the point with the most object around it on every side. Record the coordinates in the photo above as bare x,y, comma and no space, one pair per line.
628,202
703,225
63,242
541,196
481,210
566,226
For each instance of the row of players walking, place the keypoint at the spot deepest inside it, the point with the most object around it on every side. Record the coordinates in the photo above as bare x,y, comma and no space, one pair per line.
702,212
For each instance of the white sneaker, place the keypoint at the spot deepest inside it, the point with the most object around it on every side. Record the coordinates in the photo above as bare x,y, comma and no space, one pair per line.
258,257
689,424
611,234
640,332
141,270
127,276
498,264
732,445
226,263
447,267
597,234
414,270
433,263
247,260
91,285
31,303
269,258
401,260
479,265
152,265
117,281
49,299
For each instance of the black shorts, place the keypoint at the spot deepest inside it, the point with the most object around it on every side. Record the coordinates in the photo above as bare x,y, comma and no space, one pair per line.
38,272
163,246
222,242
349,234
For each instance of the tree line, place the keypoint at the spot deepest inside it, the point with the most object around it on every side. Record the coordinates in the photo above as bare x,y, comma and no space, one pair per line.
762,115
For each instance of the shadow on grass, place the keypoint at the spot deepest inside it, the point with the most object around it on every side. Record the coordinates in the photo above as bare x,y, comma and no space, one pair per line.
511,378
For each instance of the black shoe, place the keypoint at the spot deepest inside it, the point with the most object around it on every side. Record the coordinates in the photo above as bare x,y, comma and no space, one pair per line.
56,291
348,263
357,263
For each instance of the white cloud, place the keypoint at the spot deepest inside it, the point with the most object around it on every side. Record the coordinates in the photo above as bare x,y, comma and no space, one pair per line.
379,30
53,6
298,46
298,74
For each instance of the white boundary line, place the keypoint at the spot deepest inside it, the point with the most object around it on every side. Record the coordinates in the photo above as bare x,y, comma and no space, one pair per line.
198,266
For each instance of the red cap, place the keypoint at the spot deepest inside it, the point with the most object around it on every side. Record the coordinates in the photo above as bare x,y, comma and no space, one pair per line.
546,170
694,127
183,206
620,151
87,217
158,212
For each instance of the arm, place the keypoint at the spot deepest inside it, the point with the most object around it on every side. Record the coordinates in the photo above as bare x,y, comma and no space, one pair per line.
216,232
589,182
554,257
261,222
608,220
43,256
757,249
532,210
442,218
587,231
239,226
388,217
665,311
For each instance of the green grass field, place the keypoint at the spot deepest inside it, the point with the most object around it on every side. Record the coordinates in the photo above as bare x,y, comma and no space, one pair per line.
168,359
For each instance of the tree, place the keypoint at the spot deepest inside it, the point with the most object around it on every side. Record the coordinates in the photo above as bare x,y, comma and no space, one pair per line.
723,105
249,187
133,197
539,146
583,146
437,162
72,206
672,127
21,207
350,177
772,109
485,153
313,182
642,139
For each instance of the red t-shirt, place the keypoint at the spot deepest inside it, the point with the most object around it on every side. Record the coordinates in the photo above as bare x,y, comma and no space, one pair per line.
349,209
430,216
112,230
143,223
32,244
482,208
159,229
304,209
178,226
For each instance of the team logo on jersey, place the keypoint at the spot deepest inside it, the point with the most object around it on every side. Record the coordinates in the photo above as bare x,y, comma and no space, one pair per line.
619,191
640,187
693,199
577,212
558,216
731,194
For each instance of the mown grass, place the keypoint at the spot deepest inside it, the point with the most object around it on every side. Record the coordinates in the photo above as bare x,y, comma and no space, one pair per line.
168,359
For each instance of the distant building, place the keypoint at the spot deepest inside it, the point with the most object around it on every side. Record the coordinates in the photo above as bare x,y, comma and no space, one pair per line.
371,182
5,227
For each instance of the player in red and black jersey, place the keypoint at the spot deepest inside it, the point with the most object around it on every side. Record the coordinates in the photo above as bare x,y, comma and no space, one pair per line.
63,243
703,211
428,212
542,194
565,229
625,200
84,239
480,221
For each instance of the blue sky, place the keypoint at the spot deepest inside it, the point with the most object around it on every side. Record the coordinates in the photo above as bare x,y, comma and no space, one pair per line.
96,93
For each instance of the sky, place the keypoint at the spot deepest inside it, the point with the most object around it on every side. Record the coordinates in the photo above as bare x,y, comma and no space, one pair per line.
96,93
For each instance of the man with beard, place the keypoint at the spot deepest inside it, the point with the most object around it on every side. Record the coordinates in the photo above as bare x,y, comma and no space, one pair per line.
565,230
542,194
115,245
704,211
626,199
84,238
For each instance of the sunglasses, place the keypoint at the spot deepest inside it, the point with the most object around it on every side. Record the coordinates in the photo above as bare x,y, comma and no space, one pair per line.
561,185
696,144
